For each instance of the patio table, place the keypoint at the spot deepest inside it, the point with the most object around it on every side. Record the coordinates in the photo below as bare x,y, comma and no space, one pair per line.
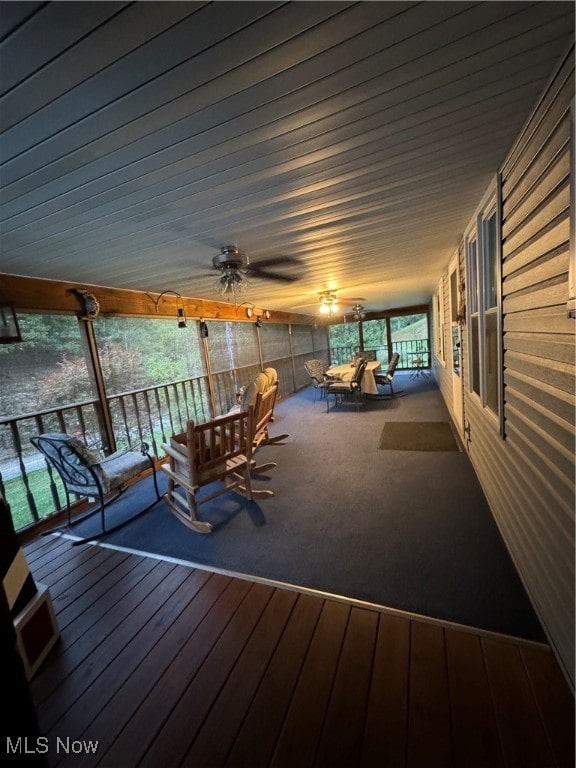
345,372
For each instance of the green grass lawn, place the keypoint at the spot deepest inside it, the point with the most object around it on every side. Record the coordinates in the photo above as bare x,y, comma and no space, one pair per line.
16,495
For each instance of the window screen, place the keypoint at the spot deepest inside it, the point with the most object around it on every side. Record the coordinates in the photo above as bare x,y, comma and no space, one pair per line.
302,341
137,352
275,341
232,345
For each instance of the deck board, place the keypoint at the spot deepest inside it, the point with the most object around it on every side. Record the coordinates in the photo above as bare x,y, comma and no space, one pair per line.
475,733
387,713
165,664
259,733
553,700
302,726
429,726
343,730
218,732
522,735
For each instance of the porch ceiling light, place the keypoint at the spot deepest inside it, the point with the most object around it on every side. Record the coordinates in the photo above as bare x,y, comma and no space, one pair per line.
231,281
251,310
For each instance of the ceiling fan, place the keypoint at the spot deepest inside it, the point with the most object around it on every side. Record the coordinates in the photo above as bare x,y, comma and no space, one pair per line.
328,303
358,312
236,270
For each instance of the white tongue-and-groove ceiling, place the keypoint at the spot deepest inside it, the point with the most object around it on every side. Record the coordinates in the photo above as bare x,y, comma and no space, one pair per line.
356,138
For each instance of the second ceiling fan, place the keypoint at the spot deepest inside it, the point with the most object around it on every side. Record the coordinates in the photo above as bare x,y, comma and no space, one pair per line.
328,303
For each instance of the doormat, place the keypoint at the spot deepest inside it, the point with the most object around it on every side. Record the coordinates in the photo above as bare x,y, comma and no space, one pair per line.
418,436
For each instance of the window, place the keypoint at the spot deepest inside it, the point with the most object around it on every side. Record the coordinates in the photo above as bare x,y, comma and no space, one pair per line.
409,336
46,386
47,369
484,303
375,336
344,341
138,352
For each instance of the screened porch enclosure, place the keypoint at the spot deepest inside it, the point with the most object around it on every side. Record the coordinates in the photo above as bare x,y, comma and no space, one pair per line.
118,381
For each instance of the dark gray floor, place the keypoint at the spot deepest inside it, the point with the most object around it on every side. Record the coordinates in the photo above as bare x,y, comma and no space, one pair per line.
402,529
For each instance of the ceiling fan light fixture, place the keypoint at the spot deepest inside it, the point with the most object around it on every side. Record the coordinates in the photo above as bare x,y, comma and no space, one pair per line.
328,308
232,265
231,281
328,304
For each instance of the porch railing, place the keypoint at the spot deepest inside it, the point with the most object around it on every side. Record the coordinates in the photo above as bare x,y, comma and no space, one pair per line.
151,415
409,351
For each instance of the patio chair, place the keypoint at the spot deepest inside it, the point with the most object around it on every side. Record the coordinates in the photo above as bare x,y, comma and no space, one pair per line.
264,384
419,361
319,377
350,389
83,473
264,407
218,454
385,379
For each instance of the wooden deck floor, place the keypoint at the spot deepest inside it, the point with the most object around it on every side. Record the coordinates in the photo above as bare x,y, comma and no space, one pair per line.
165,665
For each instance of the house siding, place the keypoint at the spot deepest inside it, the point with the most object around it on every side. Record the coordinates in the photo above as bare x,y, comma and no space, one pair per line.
528,472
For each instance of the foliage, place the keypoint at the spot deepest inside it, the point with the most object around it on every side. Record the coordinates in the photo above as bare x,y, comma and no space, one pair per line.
374,332
66,383
402,327
162,352
417,328
17,497
344,335
58,333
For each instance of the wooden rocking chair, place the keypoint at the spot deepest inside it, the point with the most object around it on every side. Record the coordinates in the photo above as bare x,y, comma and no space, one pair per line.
217,453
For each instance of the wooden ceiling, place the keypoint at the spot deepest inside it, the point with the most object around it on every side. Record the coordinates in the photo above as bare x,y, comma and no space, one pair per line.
356,138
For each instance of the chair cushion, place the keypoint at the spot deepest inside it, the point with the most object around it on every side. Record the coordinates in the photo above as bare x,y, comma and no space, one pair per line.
342,386
272,376
258,386
89,456
122,466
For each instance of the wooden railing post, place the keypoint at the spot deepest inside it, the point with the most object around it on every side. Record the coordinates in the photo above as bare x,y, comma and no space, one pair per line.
206,348
95,372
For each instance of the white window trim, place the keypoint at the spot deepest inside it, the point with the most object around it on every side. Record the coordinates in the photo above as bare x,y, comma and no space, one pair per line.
491,204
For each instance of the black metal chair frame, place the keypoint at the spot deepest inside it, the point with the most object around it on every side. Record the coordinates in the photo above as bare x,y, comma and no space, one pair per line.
81,478
386,380
353,387
320,380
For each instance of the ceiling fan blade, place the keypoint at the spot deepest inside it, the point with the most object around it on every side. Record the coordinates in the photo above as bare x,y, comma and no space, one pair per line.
348,299
274,261
267,275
